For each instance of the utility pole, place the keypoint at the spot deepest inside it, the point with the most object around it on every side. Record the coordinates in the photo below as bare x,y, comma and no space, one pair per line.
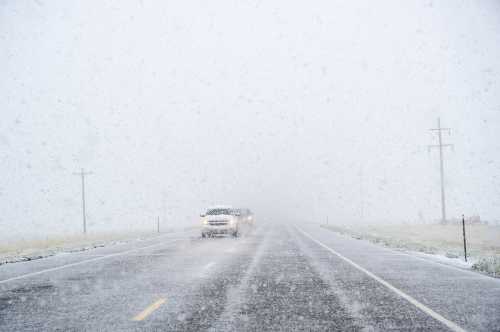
463,232
361,194
82,174
439,131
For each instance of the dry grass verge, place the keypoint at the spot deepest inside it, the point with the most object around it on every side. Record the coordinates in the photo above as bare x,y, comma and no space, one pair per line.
26,250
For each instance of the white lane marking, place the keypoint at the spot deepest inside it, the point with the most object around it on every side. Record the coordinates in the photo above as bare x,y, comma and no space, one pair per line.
208,266
451,325
422,257
205,270
85,261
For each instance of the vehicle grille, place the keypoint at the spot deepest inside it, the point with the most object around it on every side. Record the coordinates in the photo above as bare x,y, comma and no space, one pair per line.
218,222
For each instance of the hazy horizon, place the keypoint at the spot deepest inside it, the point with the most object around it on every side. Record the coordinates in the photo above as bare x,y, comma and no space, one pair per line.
297,111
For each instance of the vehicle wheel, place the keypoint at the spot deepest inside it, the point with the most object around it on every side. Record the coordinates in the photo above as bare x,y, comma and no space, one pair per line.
203,235
235,234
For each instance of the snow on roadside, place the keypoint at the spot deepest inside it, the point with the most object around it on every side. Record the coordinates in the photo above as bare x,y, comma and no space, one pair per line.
23,251
485,261
443,259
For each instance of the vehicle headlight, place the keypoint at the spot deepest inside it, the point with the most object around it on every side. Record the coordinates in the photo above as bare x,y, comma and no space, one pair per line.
205,222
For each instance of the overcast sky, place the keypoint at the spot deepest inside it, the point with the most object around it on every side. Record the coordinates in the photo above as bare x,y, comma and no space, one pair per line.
295,109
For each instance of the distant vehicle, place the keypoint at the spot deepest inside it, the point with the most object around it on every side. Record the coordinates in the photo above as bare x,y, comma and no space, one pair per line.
246,217
220,220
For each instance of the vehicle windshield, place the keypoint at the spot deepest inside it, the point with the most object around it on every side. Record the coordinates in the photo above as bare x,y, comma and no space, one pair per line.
214,212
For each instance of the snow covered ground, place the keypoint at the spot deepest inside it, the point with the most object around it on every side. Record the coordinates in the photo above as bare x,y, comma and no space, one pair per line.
441,243
26,250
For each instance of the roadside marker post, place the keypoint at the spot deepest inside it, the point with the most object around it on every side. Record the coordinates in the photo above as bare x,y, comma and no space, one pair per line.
82,174
465,242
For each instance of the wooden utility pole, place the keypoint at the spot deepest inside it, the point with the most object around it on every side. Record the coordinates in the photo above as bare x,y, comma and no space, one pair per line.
440,145
465,243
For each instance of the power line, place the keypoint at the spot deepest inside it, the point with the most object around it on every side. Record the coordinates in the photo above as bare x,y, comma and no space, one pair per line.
439,131
82,174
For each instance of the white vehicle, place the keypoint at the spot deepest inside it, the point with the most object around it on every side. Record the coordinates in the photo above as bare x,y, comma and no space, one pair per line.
220,220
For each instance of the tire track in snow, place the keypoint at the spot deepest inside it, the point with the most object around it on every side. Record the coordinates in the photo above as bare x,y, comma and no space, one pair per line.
235,296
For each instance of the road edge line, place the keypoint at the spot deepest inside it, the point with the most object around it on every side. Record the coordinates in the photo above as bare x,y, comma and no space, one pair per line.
451,325
27,275
416,255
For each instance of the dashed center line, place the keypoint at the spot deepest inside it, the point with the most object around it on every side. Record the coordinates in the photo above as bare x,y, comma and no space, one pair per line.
149,310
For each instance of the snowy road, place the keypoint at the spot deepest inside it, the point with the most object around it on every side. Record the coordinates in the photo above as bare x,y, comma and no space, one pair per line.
275,278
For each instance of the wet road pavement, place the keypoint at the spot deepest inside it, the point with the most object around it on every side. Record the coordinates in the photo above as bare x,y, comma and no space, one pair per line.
276,278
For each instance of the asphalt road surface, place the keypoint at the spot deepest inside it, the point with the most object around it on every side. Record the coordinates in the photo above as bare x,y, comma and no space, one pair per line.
276,278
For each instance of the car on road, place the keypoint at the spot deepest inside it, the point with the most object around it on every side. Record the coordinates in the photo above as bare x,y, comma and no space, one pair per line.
246,217
220,220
